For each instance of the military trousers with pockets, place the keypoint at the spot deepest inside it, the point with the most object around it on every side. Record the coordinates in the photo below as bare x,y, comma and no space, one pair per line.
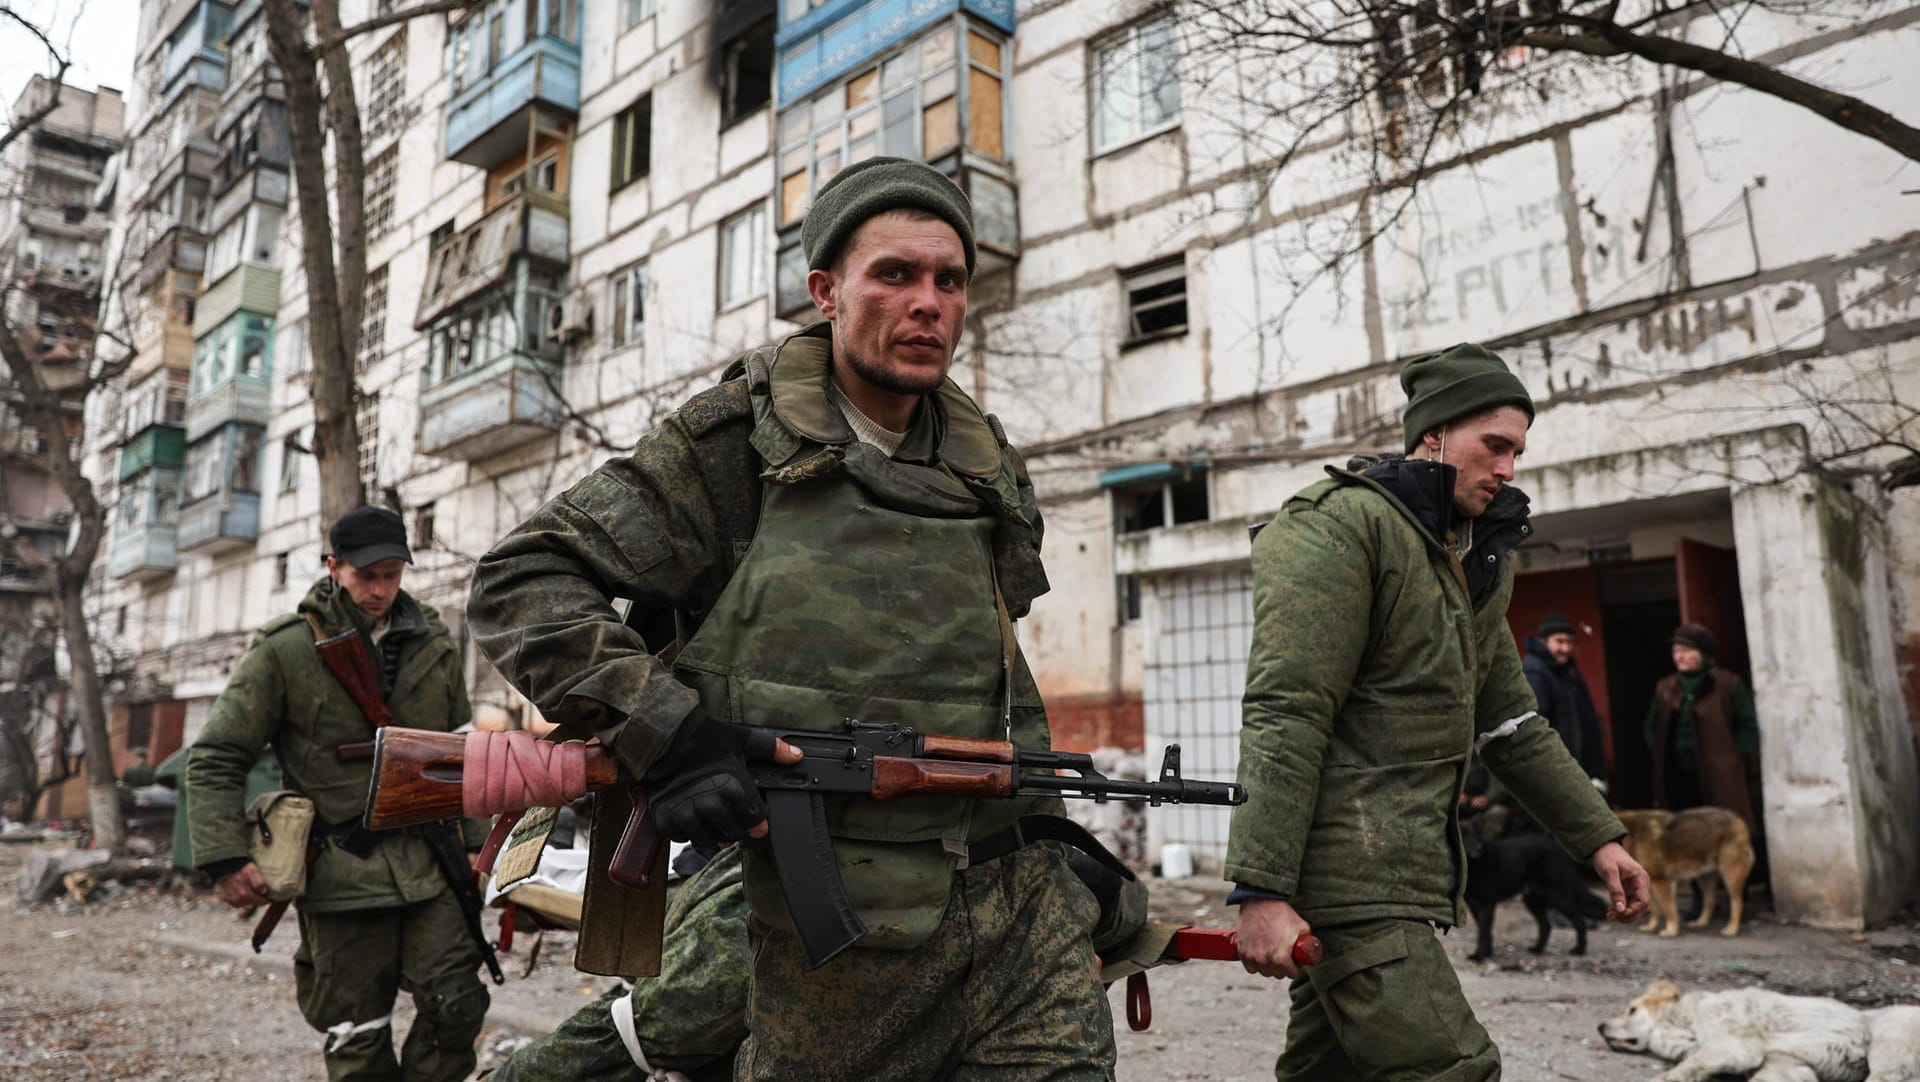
352,965
1005,989
688,1020
1384,1005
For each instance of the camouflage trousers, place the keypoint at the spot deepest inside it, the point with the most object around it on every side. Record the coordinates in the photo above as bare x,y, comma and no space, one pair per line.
352,965
690,1018
1384,1006
1005,989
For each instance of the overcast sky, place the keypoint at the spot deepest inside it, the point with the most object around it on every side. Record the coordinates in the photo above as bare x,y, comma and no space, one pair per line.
98,35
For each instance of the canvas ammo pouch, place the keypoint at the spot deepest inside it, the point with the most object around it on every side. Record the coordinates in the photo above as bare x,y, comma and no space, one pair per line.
278,824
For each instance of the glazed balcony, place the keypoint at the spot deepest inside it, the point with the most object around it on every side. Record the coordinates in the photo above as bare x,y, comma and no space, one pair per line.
531,227
232,372
220,523
491,408
507,62
144,553
158,446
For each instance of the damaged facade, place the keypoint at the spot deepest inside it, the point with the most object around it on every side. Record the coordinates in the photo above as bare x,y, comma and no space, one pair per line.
578,212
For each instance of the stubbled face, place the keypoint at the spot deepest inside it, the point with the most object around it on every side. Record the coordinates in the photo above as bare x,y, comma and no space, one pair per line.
1560,645
1687,659
897,299
1484,450
373,587
1633,1031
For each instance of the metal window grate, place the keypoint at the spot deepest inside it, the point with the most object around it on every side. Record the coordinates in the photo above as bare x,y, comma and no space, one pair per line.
1199,625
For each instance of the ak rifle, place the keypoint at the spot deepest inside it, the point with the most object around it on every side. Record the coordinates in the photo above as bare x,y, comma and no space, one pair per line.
421,776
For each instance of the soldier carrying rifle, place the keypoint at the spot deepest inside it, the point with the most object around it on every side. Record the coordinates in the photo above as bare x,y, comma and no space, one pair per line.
380,911
835,532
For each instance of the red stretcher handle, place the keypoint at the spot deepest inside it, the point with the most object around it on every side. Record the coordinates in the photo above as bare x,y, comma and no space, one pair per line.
1218,944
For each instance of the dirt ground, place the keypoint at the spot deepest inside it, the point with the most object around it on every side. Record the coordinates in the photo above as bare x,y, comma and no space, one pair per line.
154,984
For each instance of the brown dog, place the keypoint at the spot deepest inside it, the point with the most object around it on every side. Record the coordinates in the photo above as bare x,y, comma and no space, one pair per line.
1696,844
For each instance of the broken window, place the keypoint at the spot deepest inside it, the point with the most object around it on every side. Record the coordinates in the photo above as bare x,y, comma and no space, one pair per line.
1156,300
746,72
1181,497
633,142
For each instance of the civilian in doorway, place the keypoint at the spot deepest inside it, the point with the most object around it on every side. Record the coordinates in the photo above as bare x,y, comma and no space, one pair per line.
1562,692
1703,733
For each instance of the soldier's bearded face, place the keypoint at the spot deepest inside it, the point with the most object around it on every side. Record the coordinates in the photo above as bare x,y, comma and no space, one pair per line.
373,588
897,299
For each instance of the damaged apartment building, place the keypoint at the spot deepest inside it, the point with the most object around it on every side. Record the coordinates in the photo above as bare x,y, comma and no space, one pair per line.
577,213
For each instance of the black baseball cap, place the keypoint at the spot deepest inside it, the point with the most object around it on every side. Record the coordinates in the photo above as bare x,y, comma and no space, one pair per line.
365,536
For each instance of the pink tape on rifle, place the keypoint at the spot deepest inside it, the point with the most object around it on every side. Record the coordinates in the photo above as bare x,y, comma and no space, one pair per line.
515,770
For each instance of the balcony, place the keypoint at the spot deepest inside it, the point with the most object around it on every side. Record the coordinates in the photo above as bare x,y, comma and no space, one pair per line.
144,553
237,400
179,248
249,287
483,255
490,409
495,98
194,48
43,276
219,523
832,39
156,447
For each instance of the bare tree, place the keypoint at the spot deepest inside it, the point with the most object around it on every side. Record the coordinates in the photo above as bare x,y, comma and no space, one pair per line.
49,395
311,50
1405,88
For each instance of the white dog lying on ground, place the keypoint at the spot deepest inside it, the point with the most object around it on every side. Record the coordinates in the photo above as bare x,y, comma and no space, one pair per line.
1767,1037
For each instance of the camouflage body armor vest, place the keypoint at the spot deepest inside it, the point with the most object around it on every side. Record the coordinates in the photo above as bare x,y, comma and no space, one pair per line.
875,590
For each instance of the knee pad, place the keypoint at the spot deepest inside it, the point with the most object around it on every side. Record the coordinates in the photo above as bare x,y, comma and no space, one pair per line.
455,1014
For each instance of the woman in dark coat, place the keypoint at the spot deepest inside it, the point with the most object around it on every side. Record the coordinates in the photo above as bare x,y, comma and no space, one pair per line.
1703,733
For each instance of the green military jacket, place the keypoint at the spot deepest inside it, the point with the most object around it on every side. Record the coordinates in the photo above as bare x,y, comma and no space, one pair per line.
280,695
1372,678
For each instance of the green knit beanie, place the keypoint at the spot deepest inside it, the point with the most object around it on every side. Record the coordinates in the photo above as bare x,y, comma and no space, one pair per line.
872,187
1463,381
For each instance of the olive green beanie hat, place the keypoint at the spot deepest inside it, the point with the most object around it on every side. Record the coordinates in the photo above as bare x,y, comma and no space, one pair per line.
872,187
1463,381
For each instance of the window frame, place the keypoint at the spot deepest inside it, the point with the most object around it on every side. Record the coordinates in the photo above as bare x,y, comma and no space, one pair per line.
637,12
625,141
1129,38
762,255
627,321
1147,276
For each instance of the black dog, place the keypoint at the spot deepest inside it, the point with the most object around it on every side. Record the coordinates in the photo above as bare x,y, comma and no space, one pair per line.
1534,867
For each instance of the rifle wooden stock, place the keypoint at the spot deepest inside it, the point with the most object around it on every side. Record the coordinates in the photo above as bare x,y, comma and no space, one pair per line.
349,659
894,776
417,776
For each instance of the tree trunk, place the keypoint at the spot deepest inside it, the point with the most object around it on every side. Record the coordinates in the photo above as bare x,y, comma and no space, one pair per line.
103,799
334,338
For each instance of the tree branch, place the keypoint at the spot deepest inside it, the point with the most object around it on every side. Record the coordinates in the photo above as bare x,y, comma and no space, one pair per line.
1604,39
342,35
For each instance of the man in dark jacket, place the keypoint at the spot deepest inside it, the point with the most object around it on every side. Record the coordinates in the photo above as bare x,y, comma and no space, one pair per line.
1561,689
378,914
1381,662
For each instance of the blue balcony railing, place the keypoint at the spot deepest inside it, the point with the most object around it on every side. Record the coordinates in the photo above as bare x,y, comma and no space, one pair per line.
480,118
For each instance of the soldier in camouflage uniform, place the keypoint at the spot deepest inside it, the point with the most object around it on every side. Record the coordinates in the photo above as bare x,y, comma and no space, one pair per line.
685,1023
1381,662
377,915
846,536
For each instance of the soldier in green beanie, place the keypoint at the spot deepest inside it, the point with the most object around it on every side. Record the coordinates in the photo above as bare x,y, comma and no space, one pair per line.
1381,663
835,531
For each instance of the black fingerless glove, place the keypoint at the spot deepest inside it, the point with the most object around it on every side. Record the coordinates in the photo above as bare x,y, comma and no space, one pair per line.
700,790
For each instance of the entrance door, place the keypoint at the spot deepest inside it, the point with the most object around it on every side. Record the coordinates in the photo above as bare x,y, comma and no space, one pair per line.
1709,580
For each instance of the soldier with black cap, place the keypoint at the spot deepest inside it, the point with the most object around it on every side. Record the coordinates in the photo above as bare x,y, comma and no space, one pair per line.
836,531
377,914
